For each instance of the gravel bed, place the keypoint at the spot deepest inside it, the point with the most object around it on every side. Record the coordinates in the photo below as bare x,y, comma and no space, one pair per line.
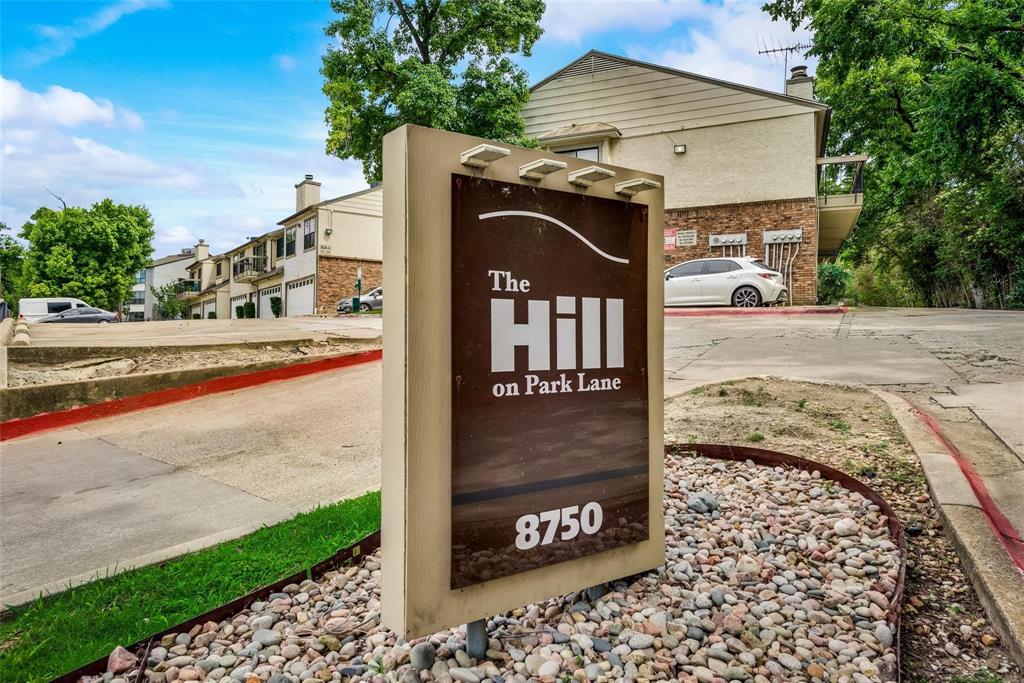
773,574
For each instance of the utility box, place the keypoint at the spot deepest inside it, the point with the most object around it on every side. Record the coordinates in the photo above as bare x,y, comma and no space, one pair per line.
522,377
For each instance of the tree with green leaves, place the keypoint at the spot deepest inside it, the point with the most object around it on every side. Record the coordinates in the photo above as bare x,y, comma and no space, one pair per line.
168,305
933,92
438,63
92,254
12,254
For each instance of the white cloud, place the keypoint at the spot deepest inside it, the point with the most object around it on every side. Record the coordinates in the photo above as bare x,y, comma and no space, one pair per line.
60,106
41,152
175,235
286,62
569,21
59,40
725,44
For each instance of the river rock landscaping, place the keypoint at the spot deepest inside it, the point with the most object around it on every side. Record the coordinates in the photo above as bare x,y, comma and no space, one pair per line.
772,574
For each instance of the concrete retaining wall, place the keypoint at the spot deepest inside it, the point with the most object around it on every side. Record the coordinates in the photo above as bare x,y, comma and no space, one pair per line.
63,354
17,402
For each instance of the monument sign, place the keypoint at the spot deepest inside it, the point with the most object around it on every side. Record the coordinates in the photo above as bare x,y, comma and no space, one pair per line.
523,377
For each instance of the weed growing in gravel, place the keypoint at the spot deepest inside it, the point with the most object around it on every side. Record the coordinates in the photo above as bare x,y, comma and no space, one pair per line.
801,404
753,398
755,437
722,391
841,426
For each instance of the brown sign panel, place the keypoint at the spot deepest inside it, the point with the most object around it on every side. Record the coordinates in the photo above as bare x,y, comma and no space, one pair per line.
550,436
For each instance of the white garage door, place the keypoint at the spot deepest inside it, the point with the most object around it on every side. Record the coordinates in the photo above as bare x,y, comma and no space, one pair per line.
237,301
265,296
209,307
299,298
196,310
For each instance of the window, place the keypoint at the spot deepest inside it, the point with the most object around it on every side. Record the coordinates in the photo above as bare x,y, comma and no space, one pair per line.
140,277
137,301
721,266
589,153
218,268
289,241
280,246
57,306
687,269
308,234
259,250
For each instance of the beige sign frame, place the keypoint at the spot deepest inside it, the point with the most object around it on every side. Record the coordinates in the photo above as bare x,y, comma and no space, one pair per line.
416,468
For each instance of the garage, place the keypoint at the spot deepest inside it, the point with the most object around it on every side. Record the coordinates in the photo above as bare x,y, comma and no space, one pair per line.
209,307
237,301
299,298
265,296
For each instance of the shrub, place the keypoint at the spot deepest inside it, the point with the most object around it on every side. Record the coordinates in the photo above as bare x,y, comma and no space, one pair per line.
211,314
239,311
833,280
196,316
275,306
250,309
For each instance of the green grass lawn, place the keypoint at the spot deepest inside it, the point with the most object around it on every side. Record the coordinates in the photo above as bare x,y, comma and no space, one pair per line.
57,634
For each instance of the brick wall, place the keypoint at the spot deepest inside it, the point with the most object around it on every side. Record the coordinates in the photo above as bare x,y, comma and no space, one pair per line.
337,277
753,218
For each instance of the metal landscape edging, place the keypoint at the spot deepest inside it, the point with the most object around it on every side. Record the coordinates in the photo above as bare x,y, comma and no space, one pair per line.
766,457
371,543
141,648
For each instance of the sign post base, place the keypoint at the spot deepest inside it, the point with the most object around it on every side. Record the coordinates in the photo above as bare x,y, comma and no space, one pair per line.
476,639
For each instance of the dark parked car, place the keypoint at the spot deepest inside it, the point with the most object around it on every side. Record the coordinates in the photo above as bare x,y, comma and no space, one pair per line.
81,315
371,301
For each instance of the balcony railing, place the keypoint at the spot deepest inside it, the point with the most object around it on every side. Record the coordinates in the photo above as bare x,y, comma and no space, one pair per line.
186,289
248,268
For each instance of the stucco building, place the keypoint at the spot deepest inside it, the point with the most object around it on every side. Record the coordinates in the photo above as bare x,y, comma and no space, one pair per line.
309,262
741,165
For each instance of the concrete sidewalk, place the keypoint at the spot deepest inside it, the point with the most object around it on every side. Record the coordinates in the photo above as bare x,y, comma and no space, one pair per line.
147,486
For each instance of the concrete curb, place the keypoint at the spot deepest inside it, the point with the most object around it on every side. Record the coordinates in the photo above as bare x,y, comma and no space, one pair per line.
995,578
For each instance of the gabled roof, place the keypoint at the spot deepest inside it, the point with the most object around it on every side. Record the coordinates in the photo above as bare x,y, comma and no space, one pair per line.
325,202
170,259
579,130
595,61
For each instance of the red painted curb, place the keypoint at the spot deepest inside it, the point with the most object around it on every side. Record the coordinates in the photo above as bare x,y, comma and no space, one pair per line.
1003,528
13,429
711,312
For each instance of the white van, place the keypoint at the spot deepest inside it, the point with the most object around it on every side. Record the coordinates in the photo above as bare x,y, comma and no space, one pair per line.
34,309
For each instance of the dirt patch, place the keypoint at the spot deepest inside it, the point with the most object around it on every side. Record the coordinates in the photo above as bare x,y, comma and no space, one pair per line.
946,636
160,359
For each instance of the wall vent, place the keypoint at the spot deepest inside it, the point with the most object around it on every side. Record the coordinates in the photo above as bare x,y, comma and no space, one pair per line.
591,64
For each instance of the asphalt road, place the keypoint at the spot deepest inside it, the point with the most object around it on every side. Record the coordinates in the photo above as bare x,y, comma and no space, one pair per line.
145,486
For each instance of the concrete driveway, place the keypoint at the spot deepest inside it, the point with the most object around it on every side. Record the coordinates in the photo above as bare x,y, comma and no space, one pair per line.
149,485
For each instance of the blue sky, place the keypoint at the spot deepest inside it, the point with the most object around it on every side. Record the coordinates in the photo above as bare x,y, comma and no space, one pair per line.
209,112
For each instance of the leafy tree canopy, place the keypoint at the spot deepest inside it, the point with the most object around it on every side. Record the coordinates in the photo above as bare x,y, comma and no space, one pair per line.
92,254
12,253
437,63
168,305
933,92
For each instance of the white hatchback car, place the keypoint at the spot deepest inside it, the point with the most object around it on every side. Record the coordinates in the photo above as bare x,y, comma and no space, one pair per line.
744,282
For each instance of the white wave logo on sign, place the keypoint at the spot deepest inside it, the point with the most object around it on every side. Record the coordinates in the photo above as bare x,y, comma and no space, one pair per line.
535,333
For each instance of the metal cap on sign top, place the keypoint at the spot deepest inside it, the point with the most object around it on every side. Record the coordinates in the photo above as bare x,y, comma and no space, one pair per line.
632,187
535,170
585,177
481,156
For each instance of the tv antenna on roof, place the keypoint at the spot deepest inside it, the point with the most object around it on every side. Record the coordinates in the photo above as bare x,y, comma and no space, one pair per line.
784,50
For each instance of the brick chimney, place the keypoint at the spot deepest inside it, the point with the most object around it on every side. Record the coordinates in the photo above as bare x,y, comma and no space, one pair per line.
307,193
202,250
799,83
